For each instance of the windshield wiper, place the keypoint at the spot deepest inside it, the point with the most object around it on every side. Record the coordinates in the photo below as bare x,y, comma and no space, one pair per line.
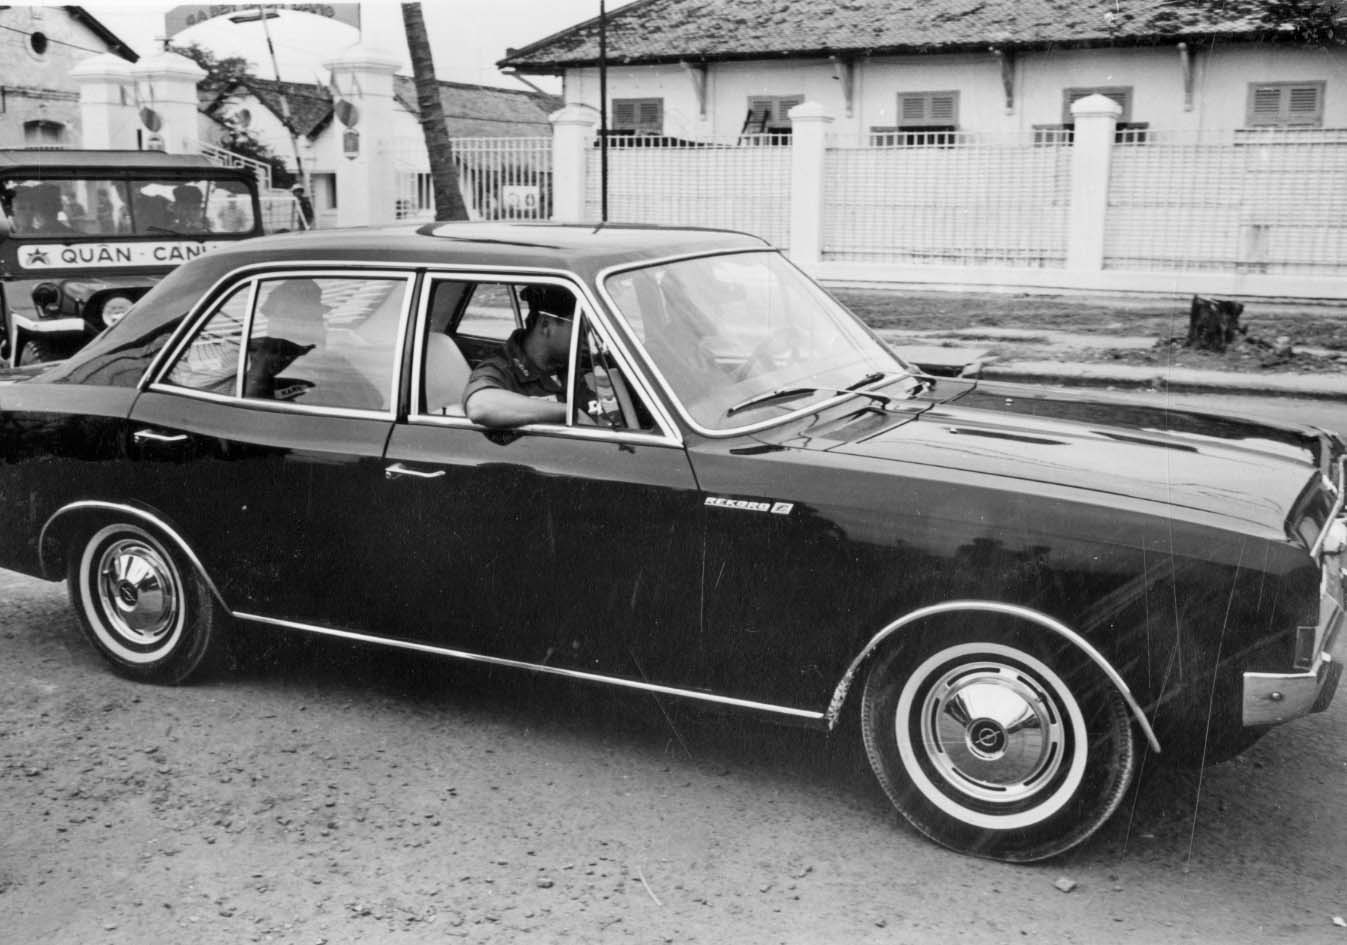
791,393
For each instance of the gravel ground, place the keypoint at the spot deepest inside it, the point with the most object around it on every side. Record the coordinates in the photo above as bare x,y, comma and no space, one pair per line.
323,794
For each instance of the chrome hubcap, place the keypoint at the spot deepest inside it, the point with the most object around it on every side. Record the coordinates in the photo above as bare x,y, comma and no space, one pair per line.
138,592
992,732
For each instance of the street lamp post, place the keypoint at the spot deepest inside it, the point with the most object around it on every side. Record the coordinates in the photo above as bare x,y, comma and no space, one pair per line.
263,14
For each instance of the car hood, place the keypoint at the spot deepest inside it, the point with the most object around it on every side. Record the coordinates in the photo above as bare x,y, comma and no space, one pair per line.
1231,468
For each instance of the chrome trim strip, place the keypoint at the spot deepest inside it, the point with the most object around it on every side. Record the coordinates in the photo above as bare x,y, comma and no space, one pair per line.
94,504
1011,610
536,667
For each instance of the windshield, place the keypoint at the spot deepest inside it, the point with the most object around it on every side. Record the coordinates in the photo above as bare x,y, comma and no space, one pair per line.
747,337
95,207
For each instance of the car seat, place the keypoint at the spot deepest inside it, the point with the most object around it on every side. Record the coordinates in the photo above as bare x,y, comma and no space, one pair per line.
445,376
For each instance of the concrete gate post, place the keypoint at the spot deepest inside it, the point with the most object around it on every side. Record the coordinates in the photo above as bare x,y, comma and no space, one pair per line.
166,84
366,185
572,132
107,103
1096,118
809,123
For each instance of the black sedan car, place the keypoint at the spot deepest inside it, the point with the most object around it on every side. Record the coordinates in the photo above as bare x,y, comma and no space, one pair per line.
747,500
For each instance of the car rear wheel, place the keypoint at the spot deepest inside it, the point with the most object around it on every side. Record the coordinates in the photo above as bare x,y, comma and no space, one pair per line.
994,747
142,605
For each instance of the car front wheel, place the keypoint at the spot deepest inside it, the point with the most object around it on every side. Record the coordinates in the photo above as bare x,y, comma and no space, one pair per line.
146,609
992,745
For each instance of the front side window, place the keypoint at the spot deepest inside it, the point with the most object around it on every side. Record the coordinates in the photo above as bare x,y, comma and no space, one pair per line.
723,331
317,341
477,335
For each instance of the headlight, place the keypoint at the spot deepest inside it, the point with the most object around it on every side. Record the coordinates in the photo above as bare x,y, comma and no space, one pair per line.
114,307
47,298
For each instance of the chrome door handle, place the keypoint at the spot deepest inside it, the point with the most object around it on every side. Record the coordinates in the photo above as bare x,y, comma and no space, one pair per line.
397,469
141,436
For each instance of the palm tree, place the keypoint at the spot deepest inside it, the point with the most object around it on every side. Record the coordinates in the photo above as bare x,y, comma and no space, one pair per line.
443,174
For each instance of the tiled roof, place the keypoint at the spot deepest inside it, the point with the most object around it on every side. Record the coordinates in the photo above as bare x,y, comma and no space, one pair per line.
484,111
698,30
469,110
310,105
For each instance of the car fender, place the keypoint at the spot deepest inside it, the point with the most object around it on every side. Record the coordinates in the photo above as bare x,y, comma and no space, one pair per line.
67,513
993,607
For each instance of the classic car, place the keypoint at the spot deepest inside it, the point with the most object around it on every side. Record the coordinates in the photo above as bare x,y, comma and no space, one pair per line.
1013,594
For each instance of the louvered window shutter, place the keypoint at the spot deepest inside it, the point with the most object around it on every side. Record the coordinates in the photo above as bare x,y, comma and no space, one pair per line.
639,114
1304,105
912,109
928,109
1286,104
650,116
624,115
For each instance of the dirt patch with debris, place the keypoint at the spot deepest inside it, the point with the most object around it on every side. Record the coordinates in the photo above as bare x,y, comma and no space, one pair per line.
1032,327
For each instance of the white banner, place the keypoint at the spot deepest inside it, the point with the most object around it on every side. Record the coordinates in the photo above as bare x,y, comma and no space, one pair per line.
112,255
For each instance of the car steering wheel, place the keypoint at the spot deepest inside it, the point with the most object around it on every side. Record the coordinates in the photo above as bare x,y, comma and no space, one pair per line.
765,355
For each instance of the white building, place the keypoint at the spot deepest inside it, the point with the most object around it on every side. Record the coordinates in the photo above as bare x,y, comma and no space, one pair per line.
713,69
39,102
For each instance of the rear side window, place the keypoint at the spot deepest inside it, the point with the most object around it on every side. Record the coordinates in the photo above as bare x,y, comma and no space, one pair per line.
211,361
317,341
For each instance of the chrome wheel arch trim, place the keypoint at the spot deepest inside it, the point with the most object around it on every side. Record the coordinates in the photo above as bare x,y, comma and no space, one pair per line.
655,688
834,712
162,528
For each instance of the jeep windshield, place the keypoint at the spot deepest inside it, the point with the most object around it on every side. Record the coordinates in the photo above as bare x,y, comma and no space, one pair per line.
96,207
745,338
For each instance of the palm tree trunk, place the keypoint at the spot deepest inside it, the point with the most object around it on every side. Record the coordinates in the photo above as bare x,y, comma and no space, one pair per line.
443,173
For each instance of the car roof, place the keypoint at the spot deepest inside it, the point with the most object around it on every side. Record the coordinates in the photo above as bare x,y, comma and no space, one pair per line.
584,249
13,160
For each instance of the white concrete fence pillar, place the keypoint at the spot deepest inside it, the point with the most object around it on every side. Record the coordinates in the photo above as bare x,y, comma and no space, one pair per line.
366,177
1096,118
809,123
166,85
107,103
572,135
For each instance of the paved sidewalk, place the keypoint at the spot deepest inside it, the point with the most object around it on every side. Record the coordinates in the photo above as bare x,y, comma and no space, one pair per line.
1054,357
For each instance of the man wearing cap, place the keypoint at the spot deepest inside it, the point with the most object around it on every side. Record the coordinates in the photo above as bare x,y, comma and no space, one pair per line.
187,209
525,381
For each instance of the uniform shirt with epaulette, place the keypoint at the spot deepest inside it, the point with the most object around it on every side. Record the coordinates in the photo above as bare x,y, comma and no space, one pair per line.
513,370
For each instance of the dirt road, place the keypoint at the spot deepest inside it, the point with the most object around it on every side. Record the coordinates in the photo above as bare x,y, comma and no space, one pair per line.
327,794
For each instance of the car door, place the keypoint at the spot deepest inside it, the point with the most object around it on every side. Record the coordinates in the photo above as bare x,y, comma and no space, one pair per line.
262,441
568,546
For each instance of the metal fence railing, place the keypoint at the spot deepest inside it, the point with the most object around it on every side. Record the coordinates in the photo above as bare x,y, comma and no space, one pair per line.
280,212
738,184
1240,201
223,157
499,178
947,198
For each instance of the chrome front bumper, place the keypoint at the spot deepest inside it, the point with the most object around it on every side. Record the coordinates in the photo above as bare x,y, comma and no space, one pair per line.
1270,698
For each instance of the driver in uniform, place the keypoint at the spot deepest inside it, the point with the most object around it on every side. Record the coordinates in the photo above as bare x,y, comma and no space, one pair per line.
525,382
